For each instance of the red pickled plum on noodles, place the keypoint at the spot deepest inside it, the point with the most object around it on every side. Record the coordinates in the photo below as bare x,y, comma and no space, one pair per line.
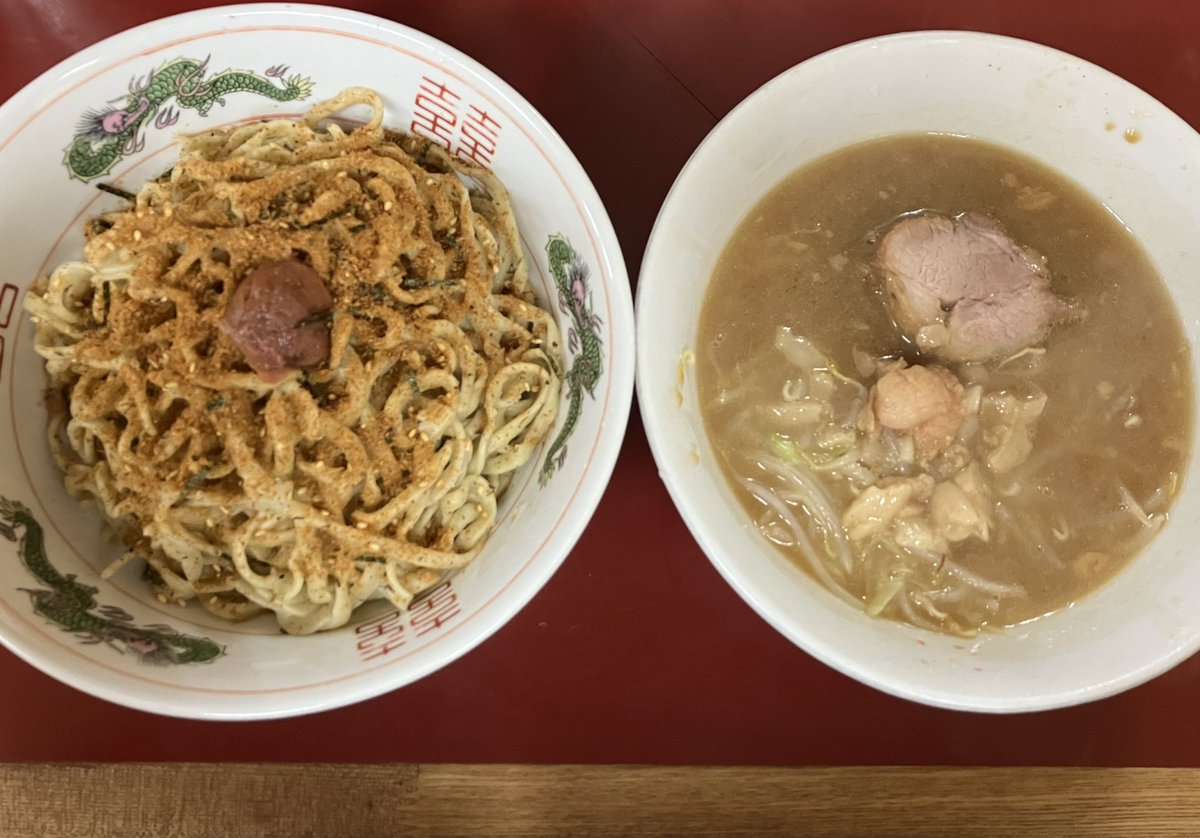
275,318
945,381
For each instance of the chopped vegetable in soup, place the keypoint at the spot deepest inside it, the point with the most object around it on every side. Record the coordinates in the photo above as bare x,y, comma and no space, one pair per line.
946,381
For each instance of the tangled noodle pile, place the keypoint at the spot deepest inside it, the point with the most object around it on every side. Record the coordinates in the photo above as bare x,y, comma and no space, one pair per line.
367,475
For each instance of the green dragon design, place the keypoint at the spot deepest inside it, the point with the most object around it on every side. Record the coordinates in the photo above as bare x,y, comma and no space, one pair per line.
106,135
72,605
583,339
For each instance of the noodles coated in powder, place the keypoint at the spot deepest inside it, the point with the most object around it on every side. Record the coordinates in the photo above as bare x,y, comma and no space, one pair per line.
370,475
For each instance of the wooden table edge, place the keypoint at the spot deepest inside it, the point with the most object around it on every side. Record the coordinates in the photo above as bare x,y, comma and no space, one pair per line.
217,799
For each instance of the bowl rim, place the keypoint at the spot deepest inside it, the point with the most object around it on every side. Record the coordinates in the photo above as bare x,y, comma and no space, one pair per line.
498,609
655,422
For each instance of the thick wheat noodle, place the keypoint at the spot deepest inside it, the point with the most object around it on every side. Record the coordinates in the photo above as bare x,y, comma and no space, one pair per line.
370,476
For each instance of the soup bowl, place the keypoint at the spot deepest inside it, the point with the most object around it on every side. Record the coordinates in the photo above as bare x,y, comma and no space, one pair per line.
1123,148
119,107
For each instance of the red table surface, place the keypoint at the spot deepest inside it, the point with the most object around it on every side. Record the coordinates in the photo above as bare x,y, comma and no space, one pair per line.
637,651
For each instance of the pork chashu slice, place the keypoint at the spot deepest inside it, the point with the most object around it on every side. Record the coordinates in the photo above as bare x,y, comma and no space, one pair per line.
962,290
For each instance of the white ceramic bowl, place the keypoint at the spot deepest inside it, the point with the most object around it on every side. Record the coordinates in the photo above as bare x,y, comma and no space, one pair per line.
1052,106
426,86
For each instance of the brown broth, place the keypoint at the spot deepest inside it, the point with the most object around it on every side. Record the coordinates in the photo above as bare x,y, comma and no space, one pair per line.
804,258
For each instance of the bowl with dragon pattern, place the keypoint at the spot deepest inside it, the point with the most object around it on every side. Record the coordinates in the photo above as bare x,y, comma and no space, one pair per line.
103,123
